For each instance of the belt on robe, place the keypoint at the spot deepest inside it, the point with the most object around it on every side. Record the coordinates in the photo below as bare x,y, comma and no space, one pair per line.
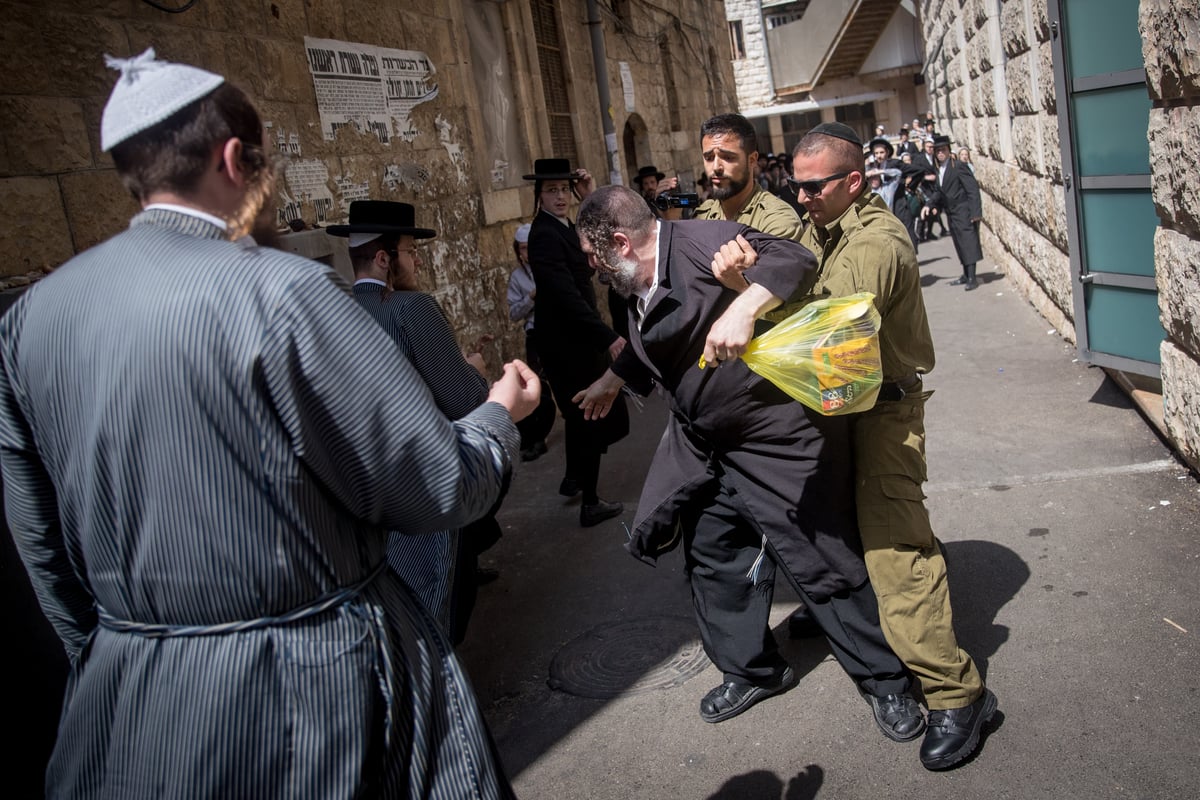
310,609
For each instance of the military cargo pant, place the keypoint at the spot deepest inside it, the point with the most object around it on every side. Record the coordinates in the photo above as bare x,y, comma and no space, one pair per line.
905,564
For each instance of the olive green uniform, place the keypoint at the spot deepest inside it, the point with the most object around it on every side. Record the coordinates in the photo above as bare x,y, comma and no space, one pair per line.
868,250
763,211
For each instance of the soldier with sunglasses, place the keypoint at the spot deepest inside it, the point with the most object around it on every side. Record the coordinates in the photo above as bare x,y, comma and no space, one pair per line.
862,247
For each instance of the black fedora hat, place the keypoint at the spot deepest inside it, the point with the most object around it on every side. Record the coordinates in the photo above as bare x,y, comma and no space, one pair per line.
885,143
551,169
646,172
941,141
381,216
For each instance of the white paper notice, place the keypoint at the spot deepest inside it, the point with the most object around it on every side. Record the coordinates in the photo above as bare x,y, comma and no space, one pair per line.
372,88
627,85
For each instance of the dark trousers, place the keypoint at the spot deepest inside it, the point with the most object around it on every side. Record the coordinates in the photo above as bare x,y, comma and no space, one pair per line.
536,427
732,575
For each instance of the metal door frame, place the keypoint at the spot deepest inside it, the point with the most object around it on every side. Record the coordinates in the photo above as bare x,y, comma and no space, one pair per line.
1064,88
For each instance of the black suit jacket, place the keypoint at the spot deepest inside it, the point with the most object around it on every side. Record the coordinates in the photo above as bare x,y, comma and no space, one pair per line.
789,466
960,198
572,339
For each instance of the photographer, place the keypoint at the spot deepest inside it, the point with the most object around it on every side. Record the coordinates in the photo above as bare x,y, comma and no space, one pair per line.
660,194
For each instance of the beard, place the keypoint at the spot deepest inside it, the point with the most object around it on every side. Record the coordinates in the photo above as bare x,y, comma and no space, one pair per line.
624,276
729,187
253,217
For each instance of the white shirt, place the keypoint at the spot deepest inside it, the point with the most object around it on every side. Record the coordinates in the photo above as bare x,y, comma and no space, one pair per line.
191,212
644,295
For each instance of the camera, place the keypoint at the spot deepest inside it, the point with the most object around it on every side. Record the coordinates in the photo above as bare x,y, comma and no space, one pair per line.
682,200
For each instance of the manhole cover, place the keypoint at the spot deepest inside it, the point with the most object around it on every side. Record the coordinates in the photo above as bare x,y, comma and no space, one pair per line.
629,657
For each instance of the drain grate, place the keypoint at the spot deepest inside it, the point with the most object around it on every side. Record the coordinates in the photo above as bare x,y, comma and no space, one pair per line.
629,657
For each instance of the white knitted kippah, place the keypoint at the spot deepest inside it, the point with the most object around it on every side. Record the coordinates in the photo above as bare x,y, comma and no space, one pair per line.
522,234
148,92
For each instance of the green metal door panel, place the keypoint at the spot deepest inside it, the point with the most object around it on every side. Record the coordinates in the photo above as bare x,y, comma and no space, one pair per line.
1104,36
1110,131
1118,230
1123,322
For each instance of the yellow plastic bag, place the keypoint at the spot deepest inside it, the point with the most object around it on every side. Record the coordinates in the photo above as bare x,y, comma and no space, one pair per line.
826,355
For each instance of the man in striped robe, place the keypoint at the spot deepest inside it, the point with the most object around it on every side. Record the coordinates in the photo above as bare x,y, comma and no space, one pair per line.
199,471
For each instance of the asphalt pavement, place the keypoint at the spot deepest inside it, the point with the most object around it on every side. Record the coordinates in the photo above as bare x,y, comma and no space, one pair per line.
1074,543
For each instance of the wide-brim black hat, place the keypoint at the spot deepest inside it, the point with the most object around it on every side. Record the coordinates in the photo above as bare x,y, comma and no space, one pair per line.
941,141
881,141
551,169
382,216
646,172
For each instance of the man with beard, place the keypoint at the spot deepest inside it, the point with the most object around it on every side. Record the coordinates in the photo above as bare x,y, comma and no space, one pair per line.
745,475
200,468
862,248
439,567
729,148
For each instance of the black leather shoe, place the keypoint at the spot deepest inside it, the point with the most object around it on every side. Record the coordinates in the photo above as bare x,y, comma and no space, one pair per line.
801,625
732,698
959,281
569,487
597,512
898,716
954,734
971,286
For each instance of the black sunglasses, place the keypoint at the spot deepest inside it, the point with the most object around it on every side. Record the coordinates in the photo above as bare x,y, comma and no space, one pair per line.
814,188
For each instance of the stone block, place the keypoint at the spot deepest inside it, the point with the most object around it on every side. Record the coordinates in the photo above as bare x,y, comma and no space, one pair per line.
503,205
1046,90
1022,94
241,18
286,19
58,54
1027,142
97,204
1173,142
172,43
1181,401
43,135
283,72
1051,148
35,234
327,19
1057,217
1170,30
1014,34
1177,274
1041,21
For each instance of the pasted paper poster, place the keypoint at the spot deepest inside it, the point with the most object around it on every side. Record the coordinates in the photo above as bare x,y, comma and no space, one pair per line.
372,88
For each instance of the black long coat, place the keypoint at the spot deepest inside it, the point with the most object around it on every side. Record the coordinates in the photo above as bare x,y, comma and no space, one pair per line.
572,339
960,200
788,465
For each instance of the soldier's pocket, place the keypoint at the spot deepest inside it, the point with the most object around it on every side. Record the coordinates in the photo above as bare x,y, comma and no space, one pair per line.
891,511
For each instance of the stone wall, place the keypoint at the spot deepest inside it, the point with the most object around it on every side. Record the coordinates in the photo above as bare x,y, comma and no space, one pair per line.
1170,30
62,195
752,73
991,82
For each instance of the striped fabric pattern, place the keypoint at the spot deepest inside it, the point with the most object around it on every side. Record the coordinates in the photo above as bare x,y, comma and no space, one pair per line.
188,436
416,323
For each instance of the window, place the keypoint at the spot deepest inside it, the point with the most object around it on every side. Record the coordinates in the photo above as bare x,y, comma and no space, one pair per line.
554,81
860,117
737,43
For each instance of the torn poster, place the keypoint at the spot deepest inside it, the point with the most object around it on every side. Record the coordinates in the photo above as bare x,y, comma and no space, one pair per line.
371,88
